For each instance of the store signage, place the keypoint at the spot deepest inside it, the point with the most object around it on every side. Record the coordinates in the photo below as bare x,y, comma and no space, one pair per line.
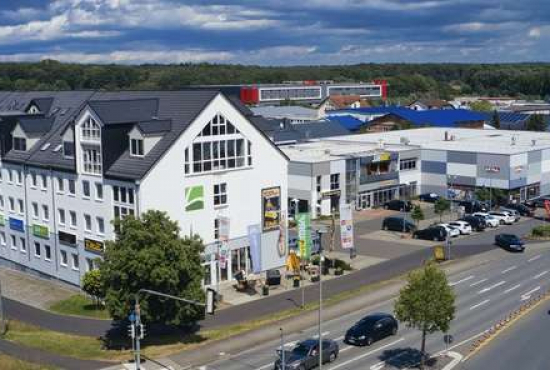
271,208
492,169
194,198
386,156
2,220
66,238
224,251
304,234
346,226
17,225
41,231
94,246
329,193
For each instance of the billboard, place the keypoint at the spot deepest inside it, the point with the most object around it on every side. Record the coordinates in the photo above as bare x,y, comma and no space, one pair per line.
271,208
17,225
346,226
304,234
41,231
194,198
93,246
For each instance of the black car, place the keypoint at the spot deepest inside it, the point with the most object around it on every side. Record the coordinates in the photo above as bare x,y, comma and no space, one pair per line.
305,355
473,206
398,224
429,197
435,233
522,209
510,242
477,223
371,328
398,205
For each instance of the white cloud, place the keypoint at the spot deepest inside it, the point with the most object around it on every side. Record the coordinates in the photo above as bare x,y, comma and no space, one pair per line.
21,14
535,32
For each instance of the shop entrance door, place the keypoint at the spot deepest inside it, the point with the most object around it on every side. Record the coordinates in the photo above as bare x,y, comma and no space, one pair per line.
364,201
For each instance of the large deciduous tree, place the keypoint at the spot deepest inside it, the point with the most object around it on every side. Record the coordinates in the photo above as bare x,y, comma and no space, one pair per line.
536,123
149,253
441,206
426,303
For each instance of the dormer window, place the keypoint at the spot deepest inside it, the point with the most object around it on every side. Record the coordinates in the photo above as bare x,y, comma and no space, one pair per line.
136,147
68,149
91,130
33,109
19,144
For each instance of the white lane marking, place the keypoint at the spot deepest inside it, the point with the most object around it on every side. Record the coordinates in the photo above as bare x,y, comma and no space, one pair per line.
534,258
479,282
461,280
512,288
264,367
509,269
467,340
381,364
484,290
324,334
540,275
342,364
339,338
479,304
526,296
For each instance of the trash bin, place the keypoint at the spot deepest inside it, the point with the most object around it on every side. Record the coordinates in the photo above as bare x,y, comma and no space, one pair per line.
296,282
265,289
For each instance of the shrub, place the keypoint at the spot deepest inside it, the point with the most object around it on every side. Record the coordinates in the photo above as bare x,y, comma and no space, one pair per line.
541,231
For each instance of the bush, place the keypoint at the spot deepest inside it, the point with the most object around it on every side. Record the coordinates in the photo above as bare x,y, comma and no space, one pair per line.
335,263
341,264
541,231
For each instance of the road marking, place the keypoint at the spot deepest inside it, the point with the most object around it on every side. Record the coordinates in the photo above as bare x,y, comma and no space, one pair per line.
342,364
540,275
484,290
467,340
381,364
512,288
534,258
264,367
526,296
462,280
479,304
479,282
339,338
324,334
509,269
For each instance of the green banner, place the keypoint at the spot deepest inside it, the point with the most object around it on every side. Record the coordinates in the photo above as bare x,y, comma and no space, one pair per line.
194,198
304,234
2,220
41,231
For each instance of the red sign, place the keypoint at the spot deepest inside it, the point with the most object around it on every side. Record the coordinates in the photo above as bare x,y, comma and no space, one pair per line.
547,207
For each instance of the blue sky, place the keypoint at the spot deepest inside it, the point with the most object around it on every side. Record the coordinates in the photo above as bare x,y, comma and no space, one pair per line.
275,32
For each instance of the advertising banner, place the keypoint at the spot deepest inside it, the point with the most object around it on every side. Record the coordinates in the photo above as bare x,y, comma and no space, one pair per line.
255,241
41,231
283,239
304,234
223,255
223,223
271,208
194,198
17,225
93,246
346,226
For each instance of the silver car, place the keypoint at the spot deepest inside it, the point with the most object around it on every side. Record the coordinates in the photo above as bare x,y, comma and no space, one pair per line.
305,355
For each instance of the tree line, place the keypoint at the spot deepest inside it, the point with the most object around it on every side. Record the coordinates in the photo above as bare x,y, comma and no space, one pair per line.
529,80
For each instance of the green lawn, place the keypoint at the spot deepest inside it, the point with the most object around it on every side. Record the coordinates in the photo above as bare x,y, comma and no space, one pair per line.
11,363
79,305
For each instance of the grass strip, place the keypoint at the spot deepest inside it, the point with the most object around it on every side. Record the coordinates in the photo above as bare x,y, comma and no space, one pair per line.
79,305
12,363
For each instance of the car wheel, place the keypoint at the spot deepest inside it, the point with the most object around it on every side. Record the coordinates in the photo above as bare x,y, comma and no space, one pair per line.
436,239
332,357
415,236
386,228
369,341
302,367
394,330
501,222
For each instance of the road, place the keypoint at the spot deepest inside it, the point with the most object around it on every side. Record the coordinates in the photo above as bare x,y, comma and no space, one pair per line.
524,345
485,295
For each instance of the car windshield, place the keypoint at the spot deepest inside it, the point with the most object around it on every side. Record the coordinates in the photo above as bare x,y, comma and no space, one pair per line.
512,238
301,350
367,322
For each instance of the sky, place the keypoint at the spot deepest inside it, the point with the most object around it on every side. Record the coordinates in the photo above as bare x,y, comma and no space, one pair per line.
275,32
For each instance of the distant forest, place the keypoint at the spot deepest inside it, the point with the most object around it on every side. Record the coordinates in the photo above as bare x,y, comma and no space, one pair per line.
406,80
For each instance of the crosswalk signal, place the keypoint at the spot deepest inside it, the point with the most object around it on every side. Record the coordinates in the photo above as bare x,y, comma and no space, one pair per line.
141,331
210,301
132,331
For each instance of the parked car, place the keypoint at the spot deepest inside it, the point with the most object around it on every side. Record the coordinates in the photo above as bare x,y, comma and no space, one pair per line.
398,224
435,233
510,242
537,202
305,355
522,209
504,218
489,220
371,328
453,233
513,213
472,206
398,205
462,226
477,223
429,197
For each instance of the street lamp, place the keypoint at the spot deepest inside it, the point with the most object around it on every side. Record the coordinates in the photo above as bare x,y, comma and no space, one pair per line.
296,202
320,232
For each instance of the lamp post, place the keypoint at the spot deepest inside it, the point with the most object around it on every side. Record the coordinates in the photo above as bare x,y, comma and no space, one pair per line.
320,232
296,202
451,193
405,189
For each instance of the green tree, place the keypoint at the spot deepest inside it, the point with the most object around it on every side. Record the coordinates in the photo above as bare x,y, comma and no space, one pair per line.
148,253
441,206
495,120
426,303
481,106
536,123
417,214
92,285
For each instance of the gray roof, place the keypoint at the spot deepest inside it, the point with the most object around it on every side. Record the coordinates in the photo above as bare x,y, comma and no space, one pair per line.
36,125
290,111
124,111
43,104
154,126
282,131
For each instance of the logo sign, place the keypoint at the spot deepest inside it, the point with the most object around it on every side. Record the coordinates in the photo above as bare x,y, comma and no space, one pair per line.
17,225
271,208
94,246
67,239
223,256
448,339
382,157
346,226
492,169
223,223
194,198
439,253
2,220
41,231
304,234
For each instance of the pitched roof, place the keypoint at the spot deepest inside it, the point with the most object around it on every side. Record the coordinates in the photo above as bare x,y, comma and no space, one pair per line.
124,111
154,126
43,104
349,122
304,131
343,101
36,125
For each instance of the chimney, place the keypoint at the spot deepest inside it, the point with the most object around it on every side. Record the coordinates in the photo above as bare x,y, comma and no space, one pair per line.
446,135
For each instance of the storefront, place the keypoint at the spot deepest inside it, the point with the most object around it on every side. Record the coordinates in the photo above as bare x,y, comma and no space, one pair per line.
377,198
221,265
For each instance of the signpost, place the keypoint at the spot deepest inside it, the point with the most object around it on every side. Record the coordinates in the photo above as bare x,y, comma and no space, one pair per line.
448,339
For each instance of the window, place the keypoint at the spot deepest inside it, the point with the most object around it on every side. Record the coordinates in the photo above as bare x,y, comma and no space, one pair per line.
63,258
407,164
45,212
13,242
21,206
12,204
34,210
98,191
100,225
68,149
60,185
48,253
88,222
2,238
72,215
10,176
216,229
44,182
23,245
76,262
37,249
90,130
91,160
220,194
72,187
186,160
19,144
136,147
86,189
19,177
318,183
335,181
33,180
89,264
61,213
1,202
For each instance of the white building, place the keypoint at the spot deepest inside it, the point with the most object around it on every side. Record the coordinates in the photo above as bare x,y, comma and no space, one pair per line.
72,162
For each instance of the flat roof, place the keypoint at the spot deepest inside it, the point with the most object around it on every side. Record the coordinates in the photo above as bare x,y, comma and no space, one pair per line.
464,140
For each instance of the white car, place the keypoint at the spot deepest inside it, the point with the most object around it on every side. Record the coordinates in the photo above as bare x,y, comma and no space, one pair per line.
489,220
515,214
462,226
451,231
504,218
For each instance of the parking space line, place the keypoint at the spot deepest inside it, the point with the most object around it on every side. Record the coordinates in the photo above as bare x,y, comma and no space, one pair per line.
526,296
512,288
509,269
484,290
366,354
461,280
479,304
540,275
479,282
534,258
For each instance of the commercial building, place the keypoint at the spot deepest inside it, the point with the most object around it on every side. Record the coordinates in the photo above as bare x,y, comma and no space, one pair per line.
72,162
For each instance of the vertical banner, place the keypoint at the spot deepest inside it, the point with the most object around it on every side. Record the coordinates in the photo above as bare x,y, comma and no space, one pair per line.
223,223
346,226
255,240
304,234
283,240
271,208
223,255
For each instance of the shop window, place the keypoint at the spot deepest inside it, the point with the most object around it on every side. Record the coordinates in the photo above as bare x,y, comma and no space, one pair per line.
335,181
220,194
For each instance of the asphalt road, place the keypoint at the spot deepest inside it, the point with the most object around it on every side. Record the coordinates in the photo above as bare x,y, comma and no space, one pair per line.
485,295
524,345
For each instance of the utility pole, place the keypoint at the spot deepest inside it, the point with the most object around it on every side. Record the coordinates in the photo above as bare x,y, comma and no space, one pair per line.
321,260
283,362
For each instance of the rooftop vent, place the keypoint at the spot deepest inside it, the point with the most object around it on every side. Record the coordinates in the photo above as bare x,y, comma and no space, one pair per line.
327,151
513,142
447,137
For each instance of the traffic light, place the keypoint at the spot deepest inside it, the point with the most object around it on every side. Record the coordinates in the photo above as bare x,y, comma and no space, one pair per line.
210,301
141,331
132,331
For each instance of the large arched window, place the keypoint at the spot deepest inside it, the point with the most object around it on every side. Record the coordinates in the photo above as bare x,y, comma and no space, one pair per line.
91,130
220,146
